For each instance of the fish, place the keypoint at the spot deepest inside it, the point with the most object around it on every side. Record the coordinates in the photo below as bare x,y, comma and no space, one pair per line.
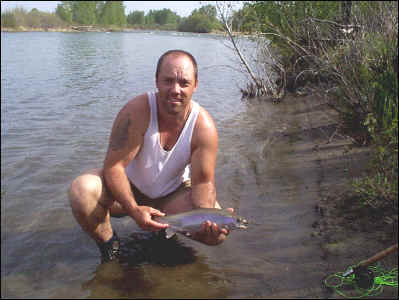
190,222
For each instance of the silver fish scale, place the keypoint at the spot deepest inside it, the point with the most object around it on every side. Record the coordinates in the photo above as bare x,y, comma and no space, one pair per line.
196,220
191,221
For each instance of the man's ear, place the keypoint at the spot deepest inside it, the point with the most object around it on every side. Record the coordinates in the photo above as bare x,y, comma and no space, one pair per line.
156,82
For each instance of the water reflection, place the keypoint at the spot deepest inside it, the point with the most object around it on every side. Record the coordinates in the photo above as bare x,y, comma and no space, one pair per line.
152,266
154,248
85,61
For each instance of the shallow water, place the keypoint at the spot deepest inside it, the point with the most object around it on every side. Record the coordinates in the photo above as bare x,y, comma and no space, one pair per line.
60,95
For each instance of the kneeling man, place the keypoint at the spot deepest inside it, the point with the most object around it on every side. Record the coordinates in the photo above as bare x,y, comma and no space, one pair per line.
161,159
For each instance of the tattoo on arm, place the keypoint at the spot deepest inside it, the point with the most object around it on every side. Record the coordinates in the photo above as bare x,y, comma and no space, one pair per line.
121,135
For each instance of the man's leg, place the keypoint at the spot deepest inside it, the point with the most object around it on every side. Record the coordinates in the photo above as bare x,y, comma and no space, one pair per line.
178,202
92,207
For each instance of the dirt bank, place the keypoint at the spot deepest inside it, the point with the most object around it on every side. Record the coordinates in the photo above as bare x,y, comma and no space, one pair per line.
347,231
36,29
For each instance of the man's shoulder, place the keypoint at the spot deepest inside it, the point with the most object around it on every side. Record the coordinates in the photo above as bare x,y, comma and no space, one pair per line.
138,107
137,110
205,129
137,104
204,120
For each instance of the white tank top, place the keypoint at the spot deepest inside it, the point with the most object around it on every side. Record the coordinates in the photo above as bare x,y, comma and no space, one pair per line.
154,171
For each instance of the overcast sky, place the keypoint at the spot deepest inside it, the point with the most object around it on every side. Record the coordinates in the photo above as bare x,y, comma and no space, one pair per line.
182,8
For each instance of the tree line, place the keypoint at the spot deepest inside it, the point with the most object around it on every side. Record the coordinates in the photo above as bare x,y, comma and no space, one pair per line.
112,14
103,13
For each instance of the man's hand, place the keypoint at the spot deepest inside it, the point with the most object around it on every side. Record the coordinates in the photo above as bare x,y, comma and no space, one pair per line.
143,217
211,234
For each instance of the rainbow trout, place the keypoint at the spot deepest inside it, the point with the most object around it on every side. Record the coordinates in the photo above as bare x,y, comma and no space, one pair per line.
191,221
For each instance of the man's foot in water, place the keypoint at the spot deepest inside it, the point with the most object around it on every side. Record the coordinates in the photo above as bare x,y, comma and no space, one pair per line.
110,250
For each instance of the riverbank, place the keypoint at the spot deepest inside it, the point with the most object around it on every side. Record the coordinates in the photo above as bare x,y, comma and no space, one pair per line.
348,232
34,29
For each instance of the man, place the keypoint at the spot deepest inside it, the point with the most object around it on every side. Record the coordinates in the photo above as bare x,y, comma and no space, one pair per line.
161,159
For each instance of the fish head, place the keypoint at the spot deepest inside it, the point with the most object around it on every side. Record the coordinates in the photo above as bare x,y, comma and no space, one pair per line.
241,223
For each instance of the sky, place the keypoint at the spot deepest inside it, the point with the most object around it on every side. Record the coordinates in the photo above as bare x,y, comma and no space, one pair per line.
182,8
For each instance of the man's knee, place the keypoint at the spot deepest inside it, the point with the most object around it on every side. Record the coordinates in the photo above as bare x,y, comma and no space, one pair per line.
84,190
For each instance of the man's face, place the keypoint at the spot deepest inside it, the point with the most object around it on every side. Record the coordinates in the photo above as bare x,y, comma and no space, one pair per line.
176,83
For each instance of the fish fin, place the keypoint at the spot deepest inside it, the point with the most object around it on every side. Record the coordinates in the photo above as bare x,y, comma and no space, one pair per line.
170,232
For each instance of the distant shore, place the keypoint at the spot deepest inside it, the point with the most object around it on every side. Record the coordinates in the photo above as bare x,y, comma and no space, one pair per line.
96,29
64,29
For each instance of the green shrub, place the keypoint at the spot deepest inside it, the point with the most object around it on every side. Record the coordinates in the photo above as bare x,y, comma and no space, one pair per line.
311,41
202,20
8,19
33,19
196,23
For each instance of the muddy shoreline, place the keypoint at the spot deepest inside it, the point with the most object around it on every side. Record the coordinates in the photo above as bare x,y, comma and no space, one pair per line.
346,231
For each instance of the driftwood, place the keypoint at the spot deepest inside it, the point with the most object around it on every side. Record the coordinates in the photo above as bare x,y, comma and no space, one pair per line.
87,28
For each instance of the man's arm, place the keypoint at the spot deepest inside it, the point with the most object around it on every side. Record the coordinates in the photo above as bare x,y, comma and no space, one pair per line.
203,162
125,141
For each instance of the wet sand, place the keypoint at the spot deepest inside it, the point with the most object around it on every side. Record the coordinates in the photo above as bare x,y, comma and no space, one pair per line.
346,231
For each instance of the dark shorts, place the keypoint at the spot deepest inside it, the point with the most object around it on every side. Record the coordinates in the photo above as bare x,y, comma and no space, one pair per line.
142,199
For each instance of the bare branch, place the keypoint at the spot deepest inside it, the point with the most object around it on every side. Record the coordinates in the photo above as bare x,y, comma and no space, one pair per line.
224,9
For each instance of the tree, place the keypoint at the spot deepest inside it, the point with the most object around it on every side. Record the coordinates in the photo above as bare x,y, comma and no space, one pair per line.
33,18
161,16
99,10
8,19
245,20
209,11
84,12
202,20
64,11
196,23
165,16
150,18
113,13
136,18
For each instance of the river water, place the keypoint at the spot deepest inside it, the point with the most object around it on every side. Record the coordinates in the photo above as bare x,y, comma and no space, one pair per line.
60,93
